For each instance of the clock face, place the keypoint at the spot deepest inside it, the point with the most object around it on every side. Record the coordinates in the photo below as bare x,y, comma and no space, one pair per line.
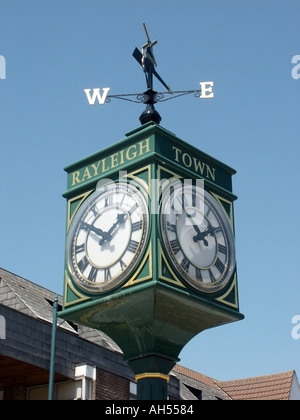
107,237
198,237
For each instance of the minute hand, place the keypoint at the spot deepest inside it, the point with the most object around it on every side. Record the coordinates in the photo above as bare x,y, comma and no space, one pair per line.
108,235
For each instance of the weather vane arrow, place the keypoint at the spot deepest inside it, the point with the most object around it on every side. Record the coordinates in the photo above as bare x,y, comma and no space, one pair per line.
148,63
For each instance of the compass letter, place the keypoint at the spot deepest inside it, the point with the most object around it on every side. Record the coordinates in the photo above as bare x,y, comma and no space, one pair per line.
206,90
96,95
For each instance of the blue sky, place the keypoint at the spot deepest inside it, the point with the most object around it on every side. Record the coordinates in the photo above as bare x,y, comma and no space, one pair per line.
54,49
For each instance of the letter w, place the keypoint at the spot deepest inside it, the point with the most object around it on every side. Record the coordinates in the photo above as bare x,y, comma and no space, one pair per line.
96,95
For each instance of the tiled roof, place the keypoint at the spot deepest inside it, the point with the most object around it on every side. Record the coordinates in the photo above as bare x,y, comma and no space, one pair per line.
197,376
268,387
37,302
209,387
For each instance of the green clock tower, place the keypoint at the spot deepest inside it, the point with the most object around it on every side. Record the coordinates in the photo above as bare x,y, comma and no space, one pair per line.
150,250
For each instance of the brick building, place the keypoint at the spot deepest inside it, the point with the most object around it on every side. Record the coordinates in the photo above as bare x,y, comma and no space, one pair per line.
88,364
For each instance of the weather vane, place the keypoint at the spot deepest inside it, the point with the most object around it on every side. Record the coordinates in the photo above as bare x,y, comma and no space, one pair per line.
148,63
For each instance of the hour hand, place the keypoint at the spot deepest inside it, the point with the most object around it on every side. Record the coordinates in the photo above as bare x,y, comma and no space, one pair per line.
98,231
200,235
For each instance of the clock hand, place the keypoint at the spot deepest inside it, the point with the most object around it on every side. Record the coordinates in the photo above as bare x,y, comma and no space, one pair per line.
200,235
98,231
119,220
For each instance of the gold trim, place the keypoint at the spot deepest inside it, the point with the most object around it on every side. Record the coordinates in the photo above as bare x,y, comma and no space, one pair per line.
223,297
152,375
174,176
162,168
80,197
142,264
222,199
81,297
160,275
133,175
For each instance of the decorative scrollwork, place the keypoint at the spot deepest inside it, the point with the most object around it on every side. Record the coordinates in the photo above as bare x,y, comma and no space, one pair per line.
140,98
159,96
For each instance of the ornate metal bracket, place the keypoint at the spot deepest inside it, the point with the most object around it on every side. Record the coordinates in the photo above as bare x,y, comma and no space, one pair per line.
148,63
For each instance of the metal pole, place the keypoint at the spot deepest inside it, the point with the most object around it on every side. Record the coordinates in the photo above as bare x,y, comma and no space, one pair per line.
53,343
152,386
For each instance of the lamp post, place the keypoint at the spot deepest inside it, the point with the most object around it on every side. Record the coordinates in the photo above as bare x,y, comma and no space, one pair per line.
52,354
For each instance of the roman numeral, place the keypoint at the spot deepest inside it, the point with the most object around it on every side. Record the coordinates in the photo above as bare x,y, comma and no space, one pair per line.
198,274
79,248
175,245
93,274
107,274
83,263
121,201
185,264
222,249
93,210
212,278
122,264
136,226
220,266
84,226
108,201
171,227
133,245
133,209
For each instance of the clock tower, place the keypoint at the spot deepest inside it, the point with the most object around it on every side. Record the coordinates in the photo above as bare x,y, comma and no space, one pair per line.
150,250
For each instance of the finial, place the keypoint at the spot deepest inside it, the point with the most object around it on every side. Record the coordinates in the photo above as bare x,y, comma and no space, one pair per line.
147,60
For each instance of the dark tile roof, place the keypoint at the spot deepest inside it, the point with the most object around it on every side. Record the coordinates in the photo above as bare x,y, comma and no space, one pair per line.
37,302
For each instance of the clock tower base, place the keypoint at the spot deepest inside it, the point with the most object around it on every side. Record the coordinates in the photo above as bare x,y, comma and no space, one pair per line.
151,322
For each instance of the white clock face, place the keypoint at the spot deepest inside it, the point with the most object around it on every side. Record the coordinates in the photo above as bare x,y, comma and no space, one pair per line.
198,237
107,236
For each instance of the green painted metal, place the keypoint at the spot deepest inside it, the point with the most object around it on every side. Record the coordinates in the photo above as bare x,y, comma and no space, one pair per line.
152,389
52,354
155,314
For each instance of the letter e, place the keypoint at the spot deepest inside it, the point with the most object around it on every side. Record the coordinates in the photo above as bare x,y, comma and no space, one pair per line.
206,90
